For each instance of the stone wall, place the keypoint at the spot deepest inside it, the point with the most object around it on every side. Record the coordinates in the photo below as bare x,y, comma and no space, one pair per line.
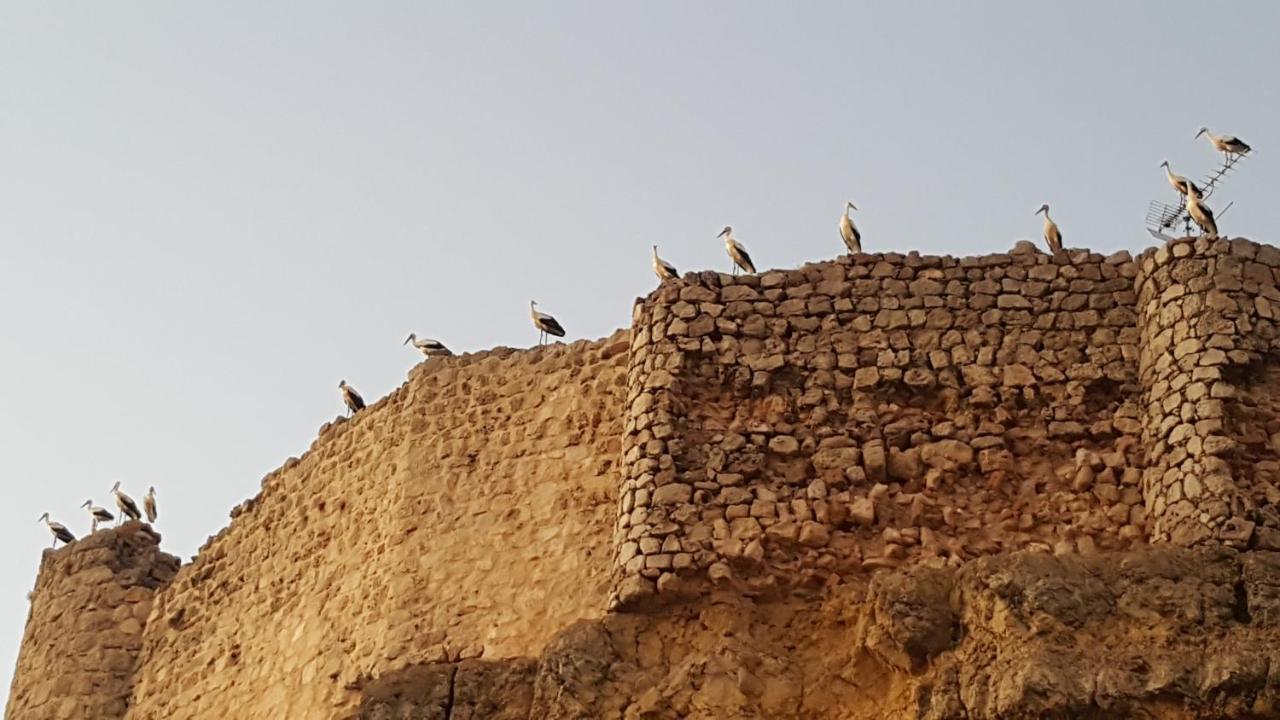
1209,338
792,427
766,435
465,515
80,650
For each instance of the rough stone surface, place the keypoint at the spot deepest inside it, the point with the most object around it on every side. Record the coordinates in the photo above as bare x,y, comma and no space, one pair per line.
466,515
883,486
1167,633
81,649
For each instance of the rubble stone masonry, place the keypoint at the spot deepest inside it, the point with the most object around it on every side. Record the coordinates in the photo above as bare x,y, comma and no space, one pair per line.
768,434
793,427
80,651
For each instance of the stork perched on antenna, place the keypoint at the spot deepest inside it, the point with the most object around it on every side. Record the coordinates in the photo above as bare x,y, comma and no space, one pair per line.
1229,145
1178,182
663,269
546,324
60,531
428,347
98,514
149,504
1052,235
737,253
849,231
354,402
1200,212
125,503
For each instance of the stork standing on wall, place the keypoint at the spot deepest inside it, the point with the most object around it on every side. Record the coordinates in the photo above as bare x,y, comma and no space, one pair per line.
1178,182
546,324
60,531
149,504
125,503
1052,235
663,269
354,402
737,253
428,347
848,231
98,514
1229,145
1200,212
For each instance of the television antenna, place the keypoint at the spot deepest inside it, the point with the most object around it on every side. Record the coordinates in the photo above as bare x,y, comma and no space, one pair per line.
1162,217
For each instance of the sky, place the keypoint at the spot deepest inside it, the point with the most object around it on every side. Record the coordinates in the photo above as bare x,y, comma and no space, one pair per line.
211,213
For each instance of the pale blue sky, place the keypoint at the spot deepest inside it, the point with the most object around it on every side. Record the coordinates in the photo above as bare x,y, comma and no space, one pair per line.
210,214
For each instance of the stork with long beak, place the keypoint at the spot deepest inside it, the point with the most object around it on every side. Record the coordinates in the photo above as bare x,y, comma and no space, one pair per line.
1201,213
1052,235
663,269
1178,182
428,347
98,514
354,402
737,253
849,231
60,531
149,504
546,324
1229,145
125,503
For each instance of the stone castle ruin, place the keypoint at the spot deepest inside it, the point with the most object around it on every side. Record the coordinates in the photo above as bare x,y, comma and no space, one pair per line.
1013,485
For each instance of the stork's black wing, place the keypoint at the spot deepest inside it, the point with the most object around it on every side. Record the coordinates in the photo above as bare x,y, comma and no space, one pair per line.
552,326
129,507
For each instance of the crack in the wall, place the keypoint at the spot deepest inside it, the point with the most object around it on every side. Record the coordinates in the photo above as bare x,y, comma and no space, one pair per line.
453,686
1240,608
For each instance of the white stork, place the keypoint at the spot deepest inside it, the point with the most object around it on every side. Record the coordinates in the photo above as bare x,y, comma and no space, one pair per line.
354,402
663,269
737,253
1227,144
149,504
1052,235
1178,182
98,514
60,531
546,324
849,231
428,347
125,503
1201,213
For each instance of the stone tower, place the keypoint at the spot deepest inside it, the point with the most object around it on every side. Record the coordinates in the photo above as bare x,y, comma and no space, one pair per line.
84,630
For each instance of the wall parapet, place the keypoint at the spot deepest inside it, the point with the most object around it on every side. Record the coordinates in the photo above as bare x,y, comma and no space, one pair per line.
795,426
